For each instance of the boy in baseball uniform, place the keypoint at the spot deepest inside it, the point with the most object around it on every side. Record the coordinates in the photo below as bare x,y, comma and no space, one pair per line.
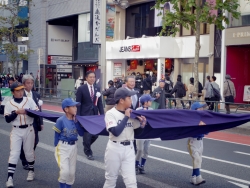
22,131
142,144
120,154
66,133
195,149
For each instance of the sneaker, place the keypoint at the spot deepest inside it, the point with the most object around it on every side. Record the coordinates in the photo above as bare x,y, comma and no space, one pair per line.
200,180
193,180
137,170
141,169
31,176
9,183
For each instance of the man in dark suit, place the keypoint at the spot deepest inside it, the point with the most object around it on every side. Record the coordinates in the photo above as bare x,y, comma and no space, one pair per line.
90,105
28,82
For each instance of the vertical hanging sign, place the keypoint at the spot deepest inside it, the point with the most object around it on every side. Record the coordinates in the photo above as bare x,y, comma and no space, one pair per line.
96,15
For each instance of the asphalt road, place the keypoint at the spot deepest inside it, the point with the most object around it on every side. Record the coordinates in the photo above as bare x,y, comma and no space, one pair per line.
169,165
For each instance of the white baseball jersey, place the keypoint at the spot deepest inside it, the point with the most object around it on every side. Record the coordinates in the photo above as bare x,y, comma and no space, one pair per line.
21,119
114,117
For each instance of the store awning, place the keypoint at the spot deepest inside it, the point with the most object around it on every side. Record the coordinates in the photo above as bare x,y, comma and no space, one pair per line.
84,62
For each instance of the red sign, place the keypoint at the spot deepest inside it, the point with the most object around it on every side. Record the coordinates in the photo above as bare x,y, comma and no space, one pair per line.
133,64
91,68
136,48
49,59
168,63
149,64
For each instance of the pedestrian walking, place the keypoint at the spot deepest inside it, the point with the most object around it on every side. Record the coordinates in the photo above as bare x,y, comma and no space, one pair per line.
206,90
180,92
78,82
143,144
213,90
28,82
109,93
119,154
168,84
91,104
22,131
66,132
229,92
160,95
195,149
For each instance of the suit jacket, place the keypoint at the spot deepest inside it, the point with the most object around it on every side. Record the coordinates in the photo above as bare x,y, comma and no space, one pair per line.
87,106
138,100
38,121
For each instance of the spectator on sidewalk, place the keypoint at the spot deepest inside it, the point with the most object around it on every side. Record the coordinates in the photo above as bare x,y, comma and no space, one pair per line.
206,90
229,92
78,82
109,93
211,94
160,94
180,92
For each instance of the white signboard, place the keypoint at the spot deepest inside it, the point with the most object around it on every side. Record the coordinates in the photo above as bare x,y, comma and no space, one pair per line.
117,69
54,62
64,66
246,95
64,70
96,22
166,7
61,58
60,40
22,49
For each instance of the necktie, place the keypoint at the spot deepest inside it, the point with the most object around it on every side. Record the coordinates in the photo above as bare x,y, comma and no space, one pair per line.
91,93
134,101
28,95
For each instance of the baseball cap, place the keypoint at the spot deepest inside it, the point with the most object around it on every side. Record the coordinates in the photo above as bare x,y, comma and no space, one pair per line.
69,102
16,86
122,93
146,98
197,105
161,80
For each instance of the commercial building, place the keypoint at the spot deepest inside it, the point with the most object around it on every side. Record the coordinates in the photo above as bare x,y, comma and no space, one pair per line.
237,52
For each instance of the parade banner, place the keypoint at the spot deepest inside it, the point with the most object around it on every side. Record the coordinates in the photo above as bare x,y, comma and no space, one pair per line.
5,92
167,124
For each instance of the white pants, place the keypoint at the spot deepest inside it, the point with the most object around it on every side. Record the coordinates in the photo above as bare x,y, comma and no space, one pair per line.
195,149
119,157
19,136
142,149
66,159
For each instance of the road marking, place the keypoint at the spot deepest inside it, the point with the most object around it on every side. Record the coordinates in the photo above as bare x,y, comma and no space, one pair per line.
211,158
226,141
242,153
202,170
238,184
142,179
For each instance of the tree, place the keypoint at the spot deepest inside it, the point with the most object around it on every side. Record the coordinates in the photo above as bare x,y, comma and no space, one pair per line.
190,14
13,26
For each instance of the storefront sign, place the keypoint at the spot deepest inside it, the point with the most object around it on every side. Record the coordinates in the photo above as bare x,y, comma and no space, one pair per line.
64,66
168,63
96,22
246,96
241,34
63,70
53,62
133,64
110,22
133,48
149,64
117,69
61,58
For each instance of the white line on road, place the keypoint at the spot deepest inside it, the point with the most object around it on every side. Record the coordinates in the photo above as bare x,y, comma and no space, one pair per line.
142,179
205,171
239,185
211,158
227,141
242,153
